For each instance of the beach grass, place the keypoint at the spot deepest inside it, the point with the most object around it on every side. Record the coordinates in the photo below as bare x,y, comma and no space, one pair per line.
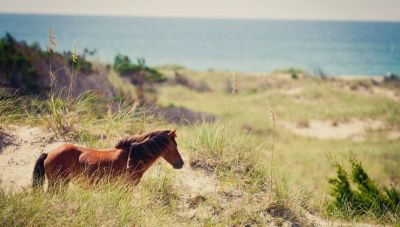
261,172
304,163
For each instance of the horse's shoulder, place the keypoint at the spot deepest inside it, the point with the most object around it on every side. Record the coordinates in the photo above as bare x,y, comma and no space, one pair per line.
120,152
97,153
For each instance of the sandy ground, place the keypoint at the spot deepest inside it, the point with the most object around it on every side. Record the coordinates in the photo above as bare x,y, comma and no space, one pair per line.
18,157
326,129
196,181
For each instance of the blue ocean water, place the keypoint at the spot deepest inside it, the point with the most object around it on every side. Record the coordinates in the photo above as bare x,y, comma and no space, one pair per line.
356,48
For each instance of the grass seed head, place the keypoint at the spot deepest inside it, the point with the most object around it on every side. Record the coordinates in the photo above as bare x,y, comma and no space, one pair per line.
74,54
51,40
234,84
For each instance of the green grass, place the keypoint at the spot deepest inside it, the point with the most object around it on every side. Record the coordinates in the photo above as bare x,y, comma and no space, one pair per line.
304,163
10,108
316,100
221,148
121,85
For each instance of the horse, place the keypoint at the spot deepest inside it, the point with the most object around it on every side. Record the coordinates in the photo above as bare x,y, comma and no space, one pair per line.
132,156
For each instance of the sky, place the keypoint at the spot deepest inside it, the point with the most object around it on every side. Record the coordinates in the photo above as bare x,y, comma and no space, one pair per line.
371,10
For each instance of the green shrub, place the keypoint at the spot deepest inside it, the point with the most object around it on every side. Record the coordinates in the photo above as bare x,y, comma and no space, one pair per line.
362,196
124,66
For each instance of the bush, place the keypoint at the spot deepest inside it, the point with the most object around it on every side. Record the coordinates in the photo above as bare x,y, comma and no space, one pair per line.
362,196
124,66
293,72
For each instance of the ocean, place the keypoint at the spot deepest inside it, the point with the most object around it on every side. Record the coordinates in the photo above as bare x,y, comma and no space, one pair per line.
336,48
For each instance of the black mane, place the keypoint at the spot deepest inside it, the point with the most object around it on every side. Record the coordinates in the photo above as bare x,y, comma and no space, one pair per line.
145,147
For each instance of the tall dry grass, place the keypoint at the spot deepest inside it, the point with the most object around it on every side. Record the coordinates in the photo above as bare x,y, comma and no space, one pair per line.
111,203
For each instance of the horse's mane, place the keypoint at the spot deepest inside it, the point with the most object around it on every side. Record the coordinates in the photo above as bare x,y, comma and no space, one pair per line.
147,146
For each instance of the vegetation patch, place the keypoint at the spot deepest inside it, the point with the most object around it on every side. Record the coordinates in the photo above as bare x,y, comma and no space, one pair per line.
16,69
183,80
362,197
222,149
124,66
111,203
185,116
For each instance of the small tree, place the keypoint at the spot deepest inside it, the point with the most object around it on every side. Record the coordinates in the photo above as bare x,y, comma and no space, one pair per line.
124,66
364,197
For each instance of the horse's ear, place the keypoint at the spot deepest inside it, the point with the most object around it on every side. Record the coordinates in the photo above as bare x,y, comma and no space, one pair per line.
172,133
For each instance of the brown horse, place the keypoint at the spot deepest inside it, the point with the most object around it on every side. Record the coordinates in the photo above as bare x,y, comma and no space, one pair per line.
132,156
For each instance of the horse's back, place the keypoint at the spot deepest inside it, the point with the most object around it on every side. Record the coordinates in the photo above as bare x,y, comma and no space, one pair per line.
70,160
63,158
64,150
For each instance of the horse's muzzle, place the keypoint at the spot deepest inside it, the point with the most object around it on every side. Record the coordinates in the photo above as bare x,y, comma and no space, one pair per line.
179,164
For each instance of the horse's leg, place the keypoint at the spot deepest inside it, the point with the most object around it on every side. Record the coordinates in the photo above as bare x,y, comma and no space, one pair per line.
53,186
136,178
59,185
58,182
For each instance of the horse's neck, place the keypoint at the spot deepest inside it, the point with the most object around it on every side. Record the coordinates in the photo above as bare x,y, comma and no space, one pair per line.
139,166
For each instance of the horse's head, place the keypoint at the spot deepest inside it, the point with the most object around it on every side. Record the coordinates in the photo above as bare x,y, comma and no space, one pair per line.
171,153
147,148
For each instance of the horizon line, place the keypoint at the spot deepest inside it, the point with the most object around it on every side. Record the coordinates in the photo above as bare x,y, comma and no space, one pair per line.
199,17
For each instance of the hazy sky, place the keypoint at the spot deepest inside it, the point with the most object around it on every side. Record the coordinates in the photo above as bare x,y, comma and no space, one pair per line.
276,9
